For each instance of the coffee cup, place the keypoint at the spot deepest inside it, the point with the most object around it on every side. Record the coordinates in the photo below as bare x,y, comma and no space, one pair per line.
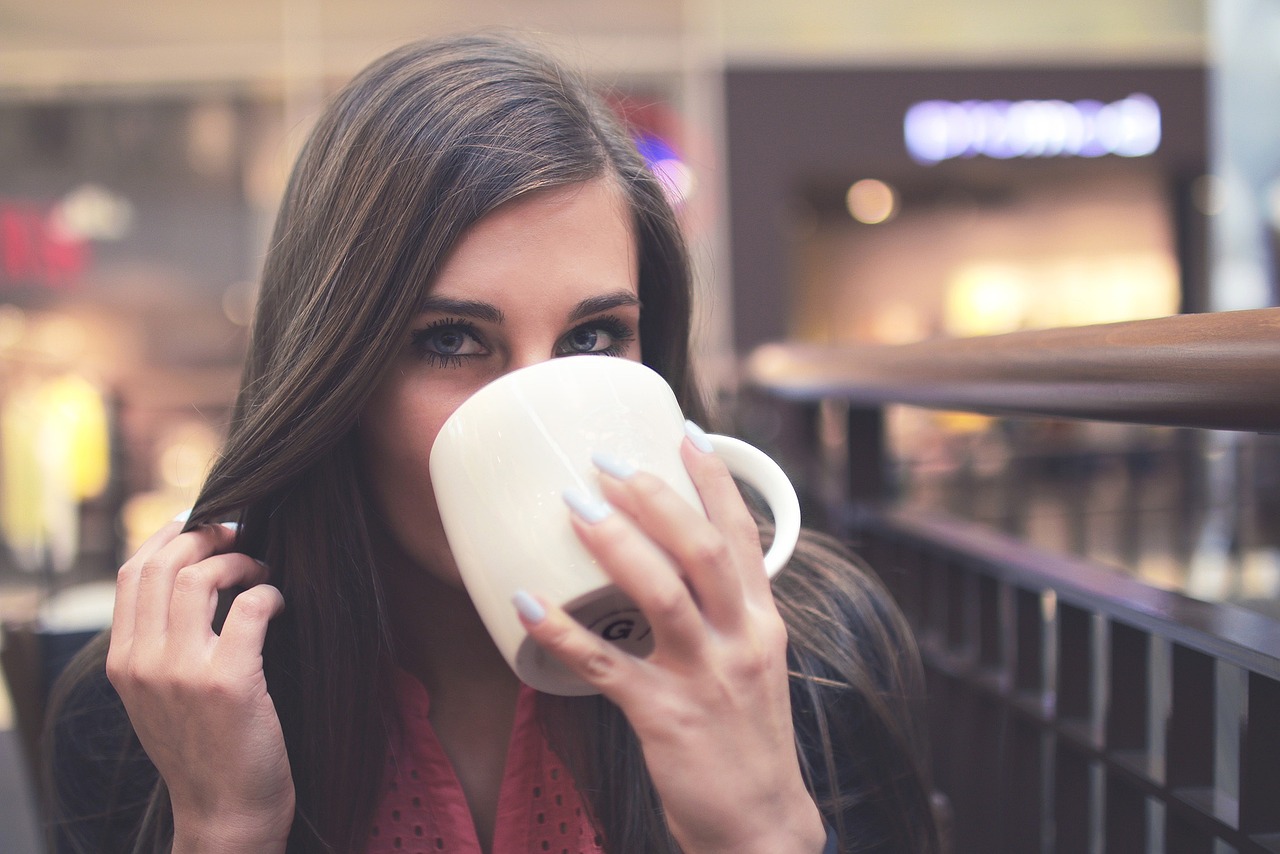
502,463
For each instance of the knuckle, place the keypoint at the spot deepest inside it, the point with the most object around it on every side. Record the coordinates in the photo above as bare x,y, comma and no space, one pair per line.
711,550
597,666
250,608
756,660
117,670
667,603
127,573
194,578
754,666
255,604
137,674
152,568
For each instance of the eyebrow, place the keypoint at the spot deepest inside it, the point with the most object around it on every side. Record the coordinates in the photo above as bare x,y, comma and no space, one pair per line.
474,309
490,313
604,302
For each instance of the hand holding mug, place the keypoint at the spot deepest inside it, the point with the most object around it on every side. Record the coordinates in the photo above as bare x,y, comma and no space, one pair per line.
711,704
509,457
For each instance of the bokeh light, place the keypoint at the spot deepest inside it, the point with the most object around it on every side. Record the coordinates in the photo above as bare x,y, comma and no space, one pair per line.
871,201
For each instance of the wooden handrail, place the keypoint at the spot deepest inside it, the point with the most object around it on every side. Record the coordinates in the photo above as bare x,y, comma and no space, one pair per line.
1218,371
1222,630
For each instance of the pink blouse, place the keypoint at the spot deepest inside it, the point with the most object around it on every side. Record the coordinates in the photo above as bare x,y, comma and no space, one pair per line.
423,808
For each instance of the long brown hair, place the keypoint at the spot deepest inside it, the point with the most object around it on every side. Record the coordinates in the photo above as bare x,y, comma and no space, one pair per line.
410,154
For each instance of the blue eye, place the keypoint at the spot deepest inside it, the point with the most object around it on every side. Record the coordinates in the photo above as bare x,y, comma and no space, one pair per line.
447,342
604,336
585,340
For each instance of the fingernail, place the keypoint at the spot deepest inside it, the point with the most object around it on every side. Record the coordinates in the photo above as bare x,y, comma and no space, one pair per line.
588,509
528,607
233,527
698,437
183,516
615,466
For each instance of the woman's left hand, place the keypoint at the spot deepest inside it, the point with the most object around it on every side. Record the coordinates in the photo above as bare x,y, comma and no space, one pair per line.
710,705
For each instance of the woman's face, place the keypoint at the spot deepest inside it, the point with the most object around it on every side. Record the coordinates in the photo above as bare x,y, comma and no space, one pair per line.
550,274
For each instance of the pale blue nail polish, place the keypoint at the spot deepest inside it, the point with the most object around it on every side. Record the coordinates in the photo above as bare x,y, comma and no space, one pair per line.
531,609
615,466
588,509
698,437
183,516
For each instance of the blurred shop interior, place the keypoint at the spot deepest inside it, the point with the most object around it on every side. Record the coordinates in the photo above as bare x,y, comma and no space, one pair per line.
871,173
845,177
862,181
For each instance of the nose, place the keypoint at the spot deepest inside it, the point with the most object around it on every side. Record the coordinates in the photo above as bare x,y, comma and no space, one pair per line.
538,348
525,357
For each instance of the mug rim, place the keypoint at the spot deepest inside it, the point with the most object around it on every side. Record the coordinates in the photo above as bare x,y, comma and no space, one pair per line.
558,363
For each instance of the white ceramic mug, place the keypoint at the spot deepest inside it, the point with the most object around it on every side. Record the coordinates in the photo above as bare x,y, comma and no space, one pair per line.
502,463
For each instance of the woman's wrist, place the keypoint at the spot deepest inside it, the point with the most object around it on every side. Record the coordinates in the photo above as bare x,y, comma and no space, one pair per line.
232,834
201,843
802,833
192,841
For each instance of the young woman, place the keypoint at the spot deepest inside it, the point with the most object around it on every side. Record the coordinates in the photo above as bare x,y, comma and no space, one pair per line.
464,208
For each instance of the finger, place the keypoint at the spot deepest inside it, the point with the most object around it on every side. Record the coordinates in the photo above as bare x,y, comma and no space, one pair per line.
642,571
702,552
195,595
158,571
728,513
124,609
245,630
598,663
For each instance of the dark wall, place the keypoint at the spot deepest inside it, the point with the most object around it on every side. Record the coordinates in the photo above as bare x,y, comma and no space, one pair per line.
793,131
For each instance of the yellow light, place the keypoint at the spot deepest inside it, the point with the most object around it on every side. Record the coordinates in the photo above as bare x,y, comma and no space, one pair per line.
986,299
55,447
871,201
76,427
21,474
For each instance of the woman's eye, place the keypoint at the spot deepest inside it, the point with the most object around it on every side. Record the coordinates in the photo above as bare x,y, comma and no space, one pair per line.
587,340
606,337
447,342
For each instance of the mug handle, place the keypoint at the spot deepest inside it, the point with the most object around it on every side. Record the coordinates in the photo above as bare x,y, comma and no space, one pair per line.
764,475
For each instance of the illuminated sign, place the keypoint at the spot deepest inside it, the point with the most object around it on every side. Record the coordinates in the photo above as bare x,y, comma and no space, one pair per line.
49,246
943,130
34,252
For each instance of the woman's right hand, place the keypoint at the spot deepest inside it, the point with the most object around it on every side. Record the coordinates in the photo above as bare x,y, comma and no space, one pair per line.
198,700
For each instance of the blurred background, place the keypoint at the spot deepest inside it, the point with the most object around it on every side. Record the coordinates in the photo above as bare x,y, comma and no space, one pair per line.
847,172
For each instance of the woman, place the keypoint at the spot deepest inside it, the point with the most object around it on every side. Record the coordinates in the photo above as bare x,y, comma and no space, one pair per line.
464,208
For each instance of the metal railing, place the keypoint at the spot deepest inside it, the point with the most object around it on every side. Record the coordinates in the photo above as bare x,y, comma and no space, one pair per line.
1075,709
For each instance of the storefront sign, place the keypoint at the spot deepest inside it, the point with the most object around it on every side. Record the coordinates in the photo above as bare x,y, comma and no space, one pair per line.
34,253
943,130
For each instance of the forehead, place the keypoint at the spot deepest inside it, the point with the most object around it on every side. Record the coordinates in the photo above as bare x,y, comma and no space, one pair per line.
577,237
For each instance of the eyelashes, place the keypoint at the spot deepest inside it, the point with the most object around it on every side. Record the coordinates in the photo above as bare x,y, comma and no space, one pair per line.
619,334
449,342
